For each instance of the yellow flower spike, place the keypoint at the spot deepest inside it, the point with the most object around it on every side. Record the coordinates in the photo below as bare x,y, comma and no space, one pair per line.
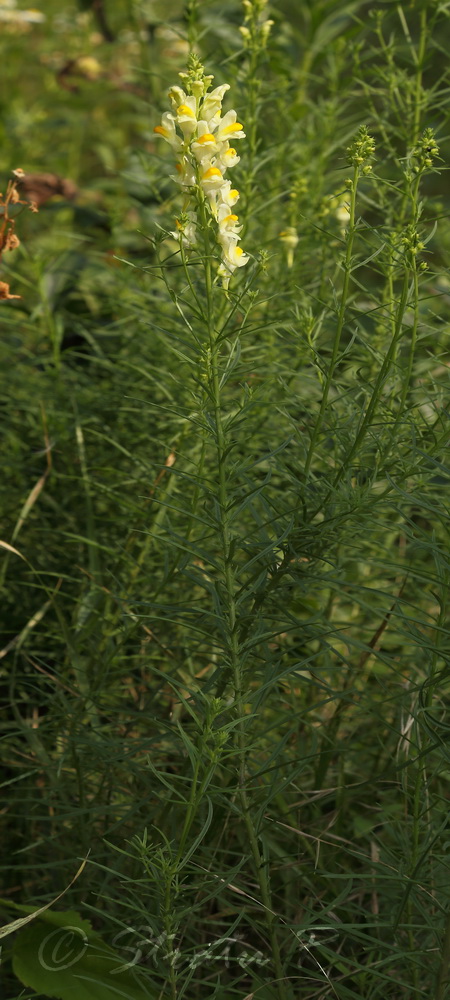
204,154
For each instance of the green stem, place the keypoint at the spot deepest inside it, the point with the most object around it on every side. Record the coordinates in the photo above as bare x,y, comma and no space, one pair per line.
412,351
303,75
340,323
443,974
251,131
233,651
418,57
190,812
420,60
367,420
192,19
229,580
167,917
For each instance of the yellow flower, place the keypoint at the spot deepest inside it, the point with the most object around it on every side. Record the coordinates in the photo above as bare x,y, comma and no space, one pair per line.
229,128
211,179
168,131
187,116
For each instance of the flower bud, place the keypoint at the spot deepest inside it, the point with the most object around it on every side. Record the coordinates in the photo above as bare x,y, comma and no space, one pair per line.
266,28
245,32
198,88
290,239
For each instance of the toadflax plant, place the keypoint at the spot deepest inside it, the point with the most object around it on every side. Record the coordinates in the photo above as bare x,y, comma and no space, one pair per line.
205,154
202,139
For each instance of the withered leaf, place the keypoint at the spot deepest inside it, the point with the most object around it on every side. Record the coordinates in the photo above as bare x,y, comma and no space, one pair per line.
5,293
39,188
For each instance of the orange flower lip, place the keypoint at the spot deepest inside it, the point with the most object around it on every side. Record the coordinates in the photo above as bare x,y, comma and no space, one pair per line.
207,137
160,130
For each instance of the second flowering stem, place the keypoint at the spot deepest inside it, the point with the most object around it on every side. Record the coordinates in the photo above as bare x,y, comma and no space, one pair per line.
340,321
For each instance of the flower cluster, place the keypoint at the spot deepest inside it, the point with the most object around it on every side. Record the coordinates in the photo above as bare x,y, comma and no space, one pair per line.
411,243
10,15
256,28
361,150
425,151
202,140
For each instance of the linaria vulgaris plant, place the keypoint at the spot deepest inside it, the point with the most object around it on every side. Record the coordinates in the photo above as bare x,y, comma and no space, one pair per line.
225,570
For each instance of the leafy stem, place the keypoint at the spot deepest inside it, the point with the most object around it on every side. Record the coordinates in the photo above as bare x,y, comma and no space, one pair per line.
339,324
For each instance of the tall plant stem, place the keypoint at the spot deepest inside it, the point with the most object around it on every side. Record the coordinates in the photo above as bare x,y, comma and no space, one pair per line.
420,59
339,325
252,93
233,651
190,811
229,580
412,351
384,370
443,974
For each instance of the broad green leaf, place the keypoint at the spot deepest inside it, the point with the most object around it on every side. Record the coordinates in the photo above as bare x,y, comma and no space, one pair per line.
71,962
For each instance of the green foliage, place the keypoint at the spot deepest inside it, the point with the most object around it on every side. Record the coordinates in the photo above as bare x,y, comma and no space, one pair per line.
72,961
224,554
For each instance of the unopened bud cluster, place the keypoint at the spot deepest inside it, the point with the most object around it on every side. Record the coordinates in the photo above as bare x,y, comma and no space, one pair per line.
425,152
256,28
201,137
411,243
361,150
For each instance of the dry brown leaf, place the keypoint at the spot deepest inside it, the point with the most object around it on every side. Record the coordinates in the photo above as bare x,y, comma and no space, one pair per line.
12,241
33,495
6,545
31,499
5,293
39,188
15,925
